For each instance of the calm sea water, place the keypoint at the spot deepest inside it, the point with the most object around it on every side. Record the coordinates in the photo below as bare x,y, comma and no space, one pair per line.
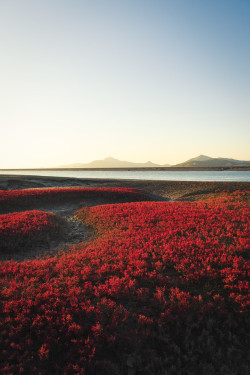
237,176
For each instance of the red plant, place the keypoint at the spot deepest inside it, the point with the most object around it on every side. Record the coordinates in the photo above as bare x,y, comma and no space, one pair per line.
20,229
164,282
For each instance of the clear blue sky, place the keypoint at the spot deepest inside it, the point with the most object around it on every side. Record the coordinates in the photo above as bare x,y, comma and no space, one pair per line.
137,80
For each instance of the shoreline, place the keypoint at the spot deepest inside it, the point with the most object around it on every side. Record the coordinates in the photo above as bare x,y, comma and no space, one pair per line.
174,190
183,169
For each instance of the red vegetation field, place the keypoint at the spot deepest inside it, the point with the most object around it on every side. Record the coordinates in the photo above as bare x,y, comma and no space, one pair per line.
20,229
162,289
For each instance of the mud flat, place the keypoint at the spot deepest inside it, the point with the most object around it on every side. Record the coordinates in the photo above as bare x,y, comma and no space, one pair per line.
174,190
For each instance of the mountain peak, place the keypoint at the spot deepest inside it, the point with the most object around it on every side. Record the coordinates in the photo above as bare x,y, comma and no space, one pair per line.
111,162
110,158
202,158
207,161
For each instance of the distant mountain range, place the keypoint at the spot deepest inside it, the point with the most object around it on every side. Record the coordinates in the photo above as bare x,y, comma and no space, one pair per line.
199,162
113,163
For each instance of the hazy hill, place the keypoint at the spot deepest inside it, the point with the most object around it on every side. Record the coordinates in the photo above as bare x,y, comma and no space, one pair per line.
206,161
199,162
112,163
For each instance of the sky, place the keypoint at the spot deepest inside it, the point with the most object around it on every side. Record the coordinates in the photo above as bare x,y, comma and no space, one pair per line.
138,80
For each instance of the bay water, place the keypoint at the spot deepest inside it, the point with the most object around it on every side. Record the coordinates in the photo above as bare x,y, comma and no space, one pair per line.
224,175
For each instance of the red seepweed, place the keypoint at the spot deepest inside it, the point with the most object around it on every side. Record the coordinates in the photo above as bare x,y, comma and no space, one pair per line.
164,281
21,229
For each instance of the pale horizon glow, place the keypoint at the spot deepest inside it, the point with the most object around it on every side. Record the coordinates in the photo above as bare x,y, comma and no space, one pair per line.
151,80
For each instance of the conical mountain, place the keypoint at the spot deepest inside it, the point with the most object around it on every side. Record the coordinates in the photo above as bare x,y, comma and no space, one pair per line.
206,161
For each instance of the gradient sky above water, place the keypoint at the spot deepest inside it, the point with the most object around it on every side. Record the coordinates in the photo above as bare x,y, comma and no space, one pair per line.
137,80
